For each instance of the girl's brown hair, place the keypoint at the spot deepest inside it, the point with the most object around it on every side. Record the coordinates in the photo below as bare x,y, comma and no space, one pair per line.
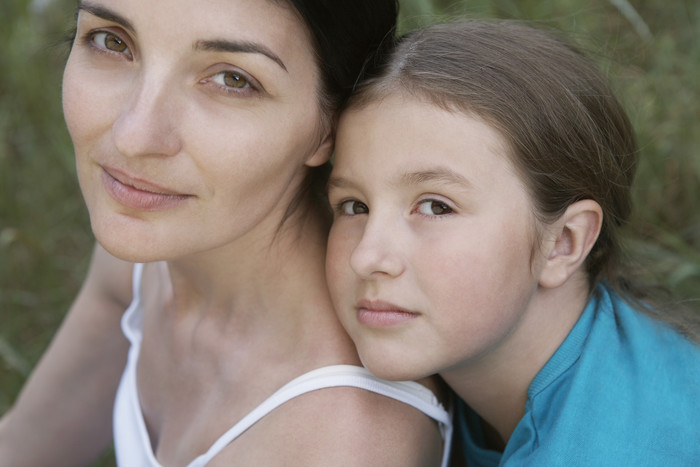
569,136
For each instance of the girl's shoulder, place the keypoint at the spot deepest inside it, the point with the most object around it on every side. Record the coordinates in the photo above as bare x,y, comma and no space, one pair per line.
622,389
634,326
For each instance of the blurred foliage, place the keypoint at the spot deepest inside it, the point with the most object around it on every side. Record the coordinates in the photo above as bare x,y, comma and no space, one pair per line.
649,48
44,234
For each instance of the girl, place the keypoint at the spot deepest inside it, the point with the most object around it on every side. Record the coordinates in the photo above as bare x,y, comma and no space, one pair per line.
202,132
479,186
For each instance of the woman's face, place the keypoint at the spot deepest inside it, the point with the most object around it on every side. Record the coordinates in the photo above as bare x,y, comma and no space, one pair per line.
192,122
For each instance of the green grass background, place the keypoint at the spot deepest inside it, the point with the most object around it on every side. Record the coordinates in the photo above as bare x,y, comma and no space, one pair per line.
649,48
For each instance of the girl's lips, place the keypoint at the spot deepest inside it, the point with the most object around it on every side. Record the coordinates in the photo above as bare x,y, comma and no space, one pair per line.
382,314
139,194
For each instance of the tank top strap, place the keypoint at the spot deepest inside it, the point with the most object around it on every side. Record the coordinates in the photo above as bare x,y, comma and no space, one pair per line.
132,321
408,392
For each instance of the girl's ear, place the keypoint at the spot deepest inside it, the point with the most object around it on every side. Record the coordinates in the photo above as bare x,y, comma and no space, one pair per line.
574,235
323,152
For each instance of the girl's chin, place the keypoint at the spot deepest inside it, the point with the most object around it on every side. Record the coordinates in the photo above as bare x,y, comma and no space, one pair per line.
385,369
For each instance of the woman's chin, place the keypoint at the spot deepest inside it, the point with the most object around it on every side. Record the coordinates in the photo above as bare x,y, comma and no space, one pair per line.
132,254
128,244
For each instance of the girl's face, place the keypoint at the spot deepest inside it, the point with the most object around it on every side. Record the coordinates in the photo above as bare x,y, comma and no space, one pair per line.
192,122
431,261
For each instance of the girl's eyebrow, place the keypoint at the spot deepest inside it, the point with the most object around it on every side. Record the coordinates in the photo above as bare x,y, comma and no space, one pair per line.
337,182
105,13
438,174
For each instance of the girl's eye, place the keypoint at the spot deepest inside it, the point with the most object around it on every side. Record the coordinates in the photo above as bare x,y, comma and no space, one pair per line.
352,208
231,79
431,207
111,42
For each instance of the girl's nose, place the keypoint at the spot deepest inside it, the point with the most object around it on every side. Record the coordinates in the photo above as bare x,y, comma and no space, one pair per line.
147,125
379,252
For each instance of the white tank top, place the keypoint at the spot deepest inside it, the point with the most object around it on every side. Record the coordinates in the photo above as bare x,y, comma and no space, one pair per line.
132,445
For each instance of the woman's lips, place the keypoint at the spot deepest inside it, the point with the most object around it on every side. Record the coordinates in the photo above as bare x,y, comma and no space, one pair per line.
139,194
382,314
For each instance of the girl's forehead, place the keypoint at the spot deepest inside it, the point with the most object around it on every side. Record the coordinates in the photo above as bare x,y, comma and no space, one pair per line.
422,133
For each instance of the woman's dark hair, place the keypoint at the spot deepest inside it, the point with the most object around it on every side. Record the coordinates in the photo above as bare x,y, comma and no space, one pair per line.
568,136
349,36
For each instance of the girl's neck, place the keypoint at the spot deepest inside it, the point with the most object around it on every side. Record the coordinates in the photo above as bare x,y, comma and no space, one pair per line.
496,386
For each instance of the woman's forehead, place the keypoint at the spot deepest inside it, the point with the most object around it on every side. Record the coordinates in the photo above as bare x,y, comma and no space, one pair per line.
274,19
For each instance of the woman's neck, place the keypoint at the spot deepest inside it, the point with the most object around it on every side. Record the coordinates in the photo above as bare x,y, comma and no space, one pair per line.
267,298
279,268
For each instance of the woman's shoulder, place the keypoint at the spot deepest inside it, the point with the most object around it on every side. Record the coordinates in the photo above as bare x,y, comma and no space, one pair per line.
341,425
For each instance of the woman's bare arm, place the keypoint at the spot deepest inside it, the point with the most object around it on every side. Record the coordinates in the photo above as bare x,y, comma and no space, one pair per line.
63,416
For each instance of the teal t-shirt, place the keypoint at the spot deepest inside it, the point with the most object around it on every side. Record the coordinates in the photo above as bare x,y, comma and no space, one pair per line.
622,390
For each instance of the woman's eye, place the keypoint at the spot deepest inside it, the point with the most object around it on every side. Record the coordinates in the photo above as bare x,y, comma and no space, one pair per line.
231,79
431,207
352,208
108,41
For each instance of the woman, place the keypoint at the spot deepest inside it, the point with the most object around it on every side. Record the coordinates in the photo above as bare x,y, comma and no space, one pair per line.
200,133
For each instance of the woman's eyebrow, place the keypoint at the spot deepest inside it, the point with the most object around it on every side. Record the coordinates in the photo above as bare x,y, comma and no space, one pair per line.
221,45
105,13
207,45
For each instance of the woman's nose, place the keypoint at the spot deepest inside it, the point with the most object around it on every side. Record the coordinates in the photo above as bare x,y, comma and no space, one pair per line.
379,253
148,122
